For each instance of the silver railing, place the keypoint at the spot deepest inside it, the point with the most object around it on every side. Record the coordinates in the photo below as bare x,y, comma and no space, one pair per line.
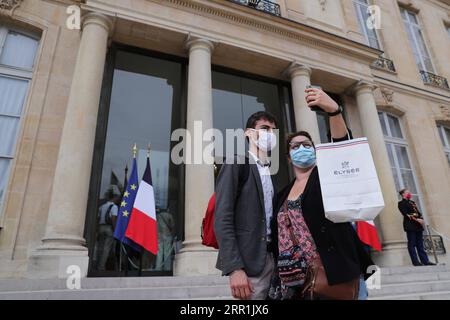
262,5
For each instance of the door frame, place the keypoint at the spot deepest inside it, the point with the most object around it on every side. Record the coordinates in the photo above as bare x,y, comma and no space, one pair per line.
99,150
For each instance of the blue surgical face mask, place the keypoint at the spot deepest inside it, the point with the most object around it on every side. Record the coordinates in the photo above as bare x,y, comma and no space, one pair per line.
267,141
303,157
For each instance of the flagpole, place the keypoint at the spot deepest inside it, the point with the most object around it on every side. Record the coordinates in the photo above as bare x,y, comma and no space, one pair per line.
134,153
148,156
125,180
141,253
125,183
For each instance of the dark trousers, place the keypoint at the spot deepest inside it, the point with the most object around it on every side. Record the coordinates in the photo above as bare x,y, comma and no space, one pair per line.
415,241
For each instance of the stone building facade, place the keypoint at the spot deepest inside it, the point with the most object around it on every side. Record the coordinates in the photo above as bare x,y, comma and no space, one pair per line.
65,89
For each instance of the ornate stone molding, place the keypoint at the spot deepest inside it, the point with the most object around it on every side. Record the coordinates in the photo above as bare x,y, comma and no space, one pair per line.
9,4
388,95
445,111
282,31
392,108
7,7
406,3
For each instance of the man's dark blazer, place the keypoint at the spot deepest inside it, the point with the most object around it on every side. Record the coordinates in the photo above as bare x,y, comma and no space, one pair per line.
406,208
240,221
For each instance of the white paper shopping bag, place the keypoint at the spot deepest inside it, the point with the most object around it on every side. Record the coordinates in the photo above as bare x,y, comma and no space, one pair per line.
349,182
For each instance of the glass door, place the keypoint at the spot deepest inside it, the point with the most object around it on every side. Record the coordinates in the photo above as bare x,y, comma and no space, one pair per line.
236,96
142,103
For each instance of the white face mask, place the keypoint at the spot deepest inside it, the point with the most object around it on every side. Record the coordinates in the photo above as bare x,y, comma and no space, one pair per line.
267,141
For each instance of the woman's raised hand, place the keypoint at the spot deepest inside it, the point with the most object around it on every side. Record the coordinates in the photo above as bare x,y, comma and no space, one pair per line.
317,97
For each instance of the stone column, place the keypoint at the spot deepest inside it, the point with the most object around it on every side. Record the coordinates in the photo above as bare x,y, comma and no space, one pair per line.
394,249
63,243
305,119
194,258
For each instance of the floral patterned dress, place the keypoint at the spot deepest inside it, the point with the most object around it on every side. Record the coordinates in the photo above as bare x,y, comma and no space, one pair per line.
302,235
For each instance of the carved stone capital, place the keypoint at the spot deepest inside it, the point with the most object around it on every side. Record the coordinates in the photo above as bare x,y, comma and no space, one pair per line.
99,19
360,87
297,69
194,43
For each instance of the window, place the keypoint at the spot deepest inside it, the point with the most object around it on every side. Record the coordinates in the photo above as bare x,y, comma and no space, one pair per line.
444,133
417,41
17,56
398,153
362,7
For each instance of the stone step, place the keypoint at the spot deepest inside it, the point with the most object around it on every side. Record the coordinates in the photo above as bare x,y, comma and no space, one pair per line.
414,277
412,269
156,293
439,295
398,282
111,283
410,288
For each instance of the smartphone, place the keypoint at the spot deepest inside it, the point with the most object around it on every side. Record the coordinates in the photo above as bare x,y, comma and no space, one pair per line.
315,108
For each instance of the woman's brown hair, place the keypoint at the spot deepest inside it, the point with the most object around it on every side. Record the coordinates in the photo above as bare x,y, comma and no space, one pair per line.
296,134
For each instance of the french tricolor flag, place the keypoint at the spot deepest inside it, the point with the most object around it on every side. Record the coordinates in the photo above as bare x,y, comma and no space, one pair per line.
367,233
142,228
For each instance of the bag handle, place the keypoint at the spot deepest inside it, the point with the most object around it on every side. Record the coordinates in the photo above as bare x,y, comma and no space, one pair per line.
348,136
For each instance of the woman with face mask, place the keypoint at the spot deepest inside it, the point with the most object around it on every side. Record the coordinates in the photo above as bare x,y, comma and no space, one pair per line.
299,219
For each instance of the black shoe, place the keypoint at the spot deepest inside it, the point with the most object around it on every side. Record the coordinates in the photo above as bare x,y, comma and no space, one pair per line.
430,264
418,264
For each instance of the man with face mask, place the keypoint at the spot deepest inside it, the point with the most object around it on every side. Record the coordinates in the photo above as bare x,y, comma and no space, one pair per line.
413,225
243,213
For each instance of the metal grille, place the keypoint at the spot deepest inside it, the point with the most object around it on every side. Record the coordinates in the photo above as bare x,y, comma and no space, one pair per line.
385,64
438,244
262,5
434,79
